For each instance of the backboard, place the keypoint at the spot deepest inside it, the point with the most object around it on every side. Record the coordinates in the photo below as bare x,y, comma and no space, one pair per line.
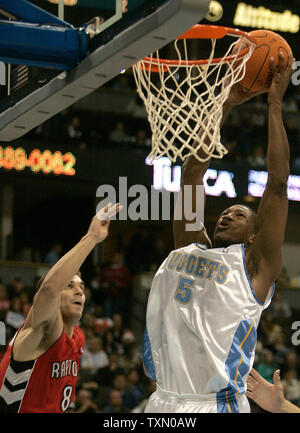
38,93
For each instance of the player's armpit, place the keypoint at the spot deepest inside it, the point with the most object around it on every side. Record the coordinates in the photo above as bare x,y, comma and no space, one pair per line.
46,306
38,332
44,309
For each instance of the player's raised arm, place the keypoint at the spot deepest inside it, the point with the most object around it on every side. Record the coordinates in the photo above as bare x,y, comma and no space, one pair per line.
263,258
193,172
46,304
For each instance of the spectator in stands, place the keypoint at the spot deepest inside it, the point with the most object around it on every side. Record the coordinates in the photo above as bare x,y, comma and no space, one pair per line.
129,399
131,358
133,380
115,404
291,362
84,403
102,323
4,302
54,254
279,349
119,332
291,386
107,374
15,287
258,352
89,321
109,343
116,280
266,367
93,358
118,135
25,304
280,309
15,317
268,329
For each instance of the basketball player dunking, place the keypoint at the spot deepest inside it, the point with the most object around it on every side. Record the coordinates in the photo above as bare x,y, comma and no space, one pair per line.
205,303
39,370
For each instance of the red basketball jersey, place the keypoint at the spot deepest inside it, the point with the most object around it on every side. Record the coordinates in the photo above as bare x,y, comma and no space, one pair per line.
46,384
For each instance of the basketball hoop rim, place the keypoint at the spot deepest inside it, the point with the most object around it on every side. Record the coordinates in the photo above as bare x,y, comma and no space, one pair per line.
201,31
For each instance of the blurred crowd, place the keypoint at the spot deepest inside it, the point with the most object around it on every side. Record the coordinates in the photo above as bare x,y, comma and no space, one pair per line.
111,377
244,132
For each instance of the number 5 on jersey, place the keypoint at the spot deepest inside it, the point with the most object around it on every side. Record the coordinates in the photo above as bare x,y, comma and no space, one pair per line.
184,292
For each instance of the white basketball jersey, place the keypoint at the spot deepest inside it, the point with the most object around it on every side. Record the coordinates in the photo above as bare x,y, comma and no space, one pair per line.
201,323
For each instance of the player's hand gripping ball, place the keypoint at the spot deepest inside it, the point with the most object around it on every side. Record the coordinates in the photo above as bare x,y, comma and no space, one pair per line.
258,75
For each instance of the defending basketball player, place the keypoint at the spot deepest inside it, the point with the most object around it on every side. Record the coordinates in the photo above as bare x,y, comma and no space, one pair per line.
39,370
205,303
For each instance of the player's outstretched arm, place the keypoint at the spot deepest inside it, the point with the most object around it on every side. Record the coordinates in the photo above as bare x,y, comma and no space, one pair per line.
46,303
269,396
263,258
193,172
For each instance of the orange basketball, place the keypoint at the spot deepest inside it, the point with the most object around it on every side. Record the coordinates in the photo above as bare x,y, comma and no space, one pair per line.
258,75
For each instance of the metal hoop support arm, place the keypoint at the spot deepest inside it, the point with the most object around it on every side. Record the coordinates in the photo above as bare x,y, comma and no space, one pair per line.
35,37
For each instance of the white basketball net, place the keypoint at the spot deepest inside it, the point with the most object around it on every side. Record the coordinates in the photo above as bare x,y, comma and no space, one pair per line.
178,109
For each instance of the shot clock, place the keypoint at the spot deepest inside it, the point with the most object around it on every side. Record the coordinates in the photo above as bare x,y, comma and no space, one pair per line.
38,161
